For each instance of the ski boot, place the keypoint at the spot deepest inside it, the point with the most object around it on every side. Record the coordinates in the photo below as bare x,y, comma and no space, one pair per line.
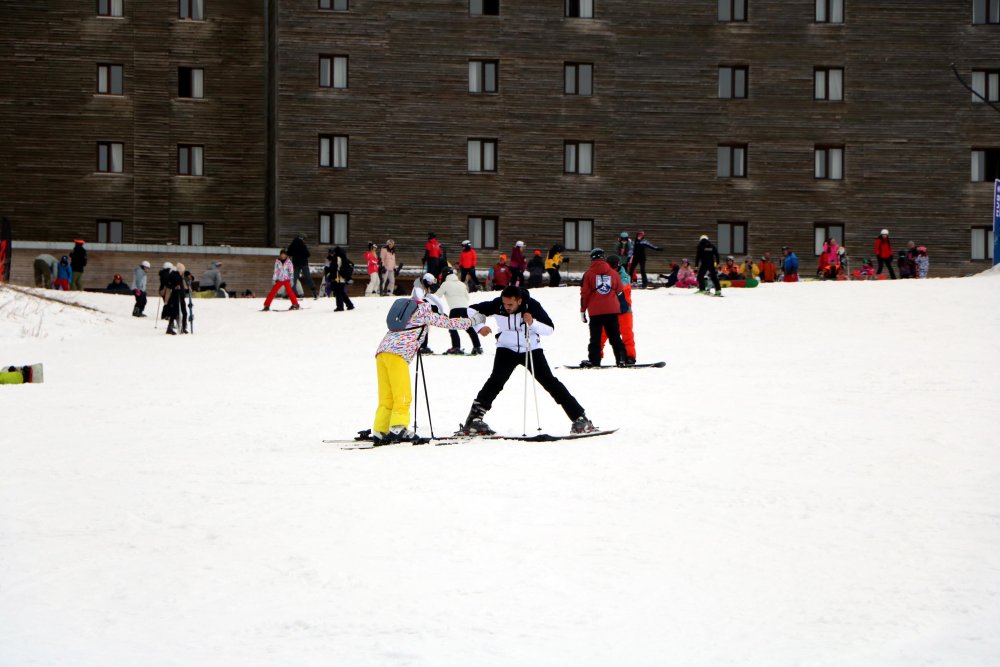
454,350
477,350
265,309
587,363
474,424
295,306
582,425
398,434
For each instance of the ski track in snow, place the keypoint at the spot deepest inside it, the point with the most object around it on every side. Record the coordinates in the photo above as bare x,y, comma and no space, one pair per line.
813,479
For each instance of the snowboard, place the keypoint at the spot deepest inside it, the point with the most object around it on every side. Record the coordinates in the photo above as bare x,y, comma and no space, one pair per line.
658,364
31,373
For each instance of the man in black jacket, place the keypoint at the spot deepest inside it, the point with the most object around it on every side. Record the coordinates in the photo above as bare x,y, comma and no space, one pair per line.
520,321
638,267
299,254
77,260
706,259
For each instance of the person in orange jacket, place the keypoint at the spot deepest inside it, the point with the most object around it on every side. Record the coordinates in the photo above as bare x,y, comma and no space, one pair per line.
768,269
883,252
601,295
625,319
467,263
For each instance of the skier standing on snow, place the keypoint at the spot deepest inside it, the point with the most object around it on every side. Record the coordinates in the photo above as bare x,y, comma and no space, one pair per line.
520,323
707,258
299,253
175,308
392,362
600,292
139,288
456,294
284,271
638,265
625,319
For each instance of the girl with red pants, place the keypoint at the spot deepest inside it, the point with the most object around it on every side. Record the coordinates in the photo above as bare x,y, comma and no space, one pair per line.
283,272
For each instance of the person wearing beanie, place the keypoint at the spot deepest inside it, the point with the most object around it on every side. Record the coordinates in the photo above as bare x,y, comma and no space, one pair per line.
500,275
883,253
282,277
139,277
64,274
518,264
706,258
602,297
536,270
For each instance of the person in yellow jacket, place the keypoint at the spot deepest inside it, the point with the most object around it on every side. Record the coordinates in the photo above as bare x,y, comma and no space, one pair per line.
552,262
748,269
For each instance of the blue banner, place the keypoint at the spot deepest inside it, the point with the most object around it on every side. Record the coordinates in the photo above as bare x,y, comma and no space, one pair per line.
996,222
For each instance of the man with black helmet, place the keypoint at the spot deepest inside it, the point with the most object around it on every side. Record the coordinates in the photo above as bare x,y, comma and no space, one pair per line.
601,295
707,258
299,253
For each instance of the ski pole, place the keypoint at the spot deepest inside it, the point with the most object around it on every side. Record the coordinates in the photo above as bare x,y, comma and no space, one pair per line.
427,400
156,320
534,382
527,359
416,391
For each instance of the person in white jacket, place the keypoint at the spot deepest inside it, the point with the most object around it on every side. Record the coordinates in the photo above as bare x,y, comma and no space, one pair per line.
456,293
422,292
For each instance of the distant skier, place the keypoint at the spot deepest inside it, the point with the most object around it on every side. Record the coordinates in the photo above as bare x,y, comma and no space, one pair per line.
299,253
456,294
600,294
64,274
707,258
139,277
552,262
284,270
78,260
392,360
520,322
176,308
638,266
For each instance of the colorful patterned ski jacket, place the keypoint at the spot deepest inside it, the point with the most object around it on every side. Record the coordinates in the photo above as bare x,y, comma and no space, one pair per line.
282,270
405,343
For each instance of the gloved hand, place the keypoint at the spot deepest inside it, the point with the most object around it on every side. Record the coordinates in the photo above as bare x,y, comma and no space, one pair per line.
583,316
478,319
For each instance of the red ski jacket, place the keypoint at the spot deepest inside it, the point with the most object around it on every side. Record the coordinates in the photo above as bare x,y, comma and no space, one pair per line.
883,248
600,289
467,259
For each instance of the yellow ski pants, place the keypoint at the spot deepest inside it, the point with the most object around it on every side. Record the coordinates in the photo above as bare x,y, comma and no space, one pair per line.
394,395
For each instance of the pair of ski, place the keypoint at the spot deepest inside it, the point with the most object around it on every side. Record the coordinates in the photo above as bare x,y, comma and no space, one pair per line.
439,440
658,364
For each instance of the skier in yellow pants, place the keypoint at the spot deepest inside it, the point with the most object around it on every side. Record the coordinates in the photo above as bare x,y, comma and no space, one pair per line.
392,360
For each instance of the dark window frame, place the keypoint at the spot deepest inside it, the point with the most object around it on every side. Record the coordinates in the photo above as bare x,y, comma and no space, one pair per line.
191,226
826,83
828,7
332,67
110,79
487,8
188,148
987,246
186,10
986,12
733,147
827,161
331,5
573,9
187,73
731,7
575,171
109,11
107,226
329,236
731,241
481,65
482,154
576,78
483,219
109,147
733,69
991,163
991,85
332,138
575,244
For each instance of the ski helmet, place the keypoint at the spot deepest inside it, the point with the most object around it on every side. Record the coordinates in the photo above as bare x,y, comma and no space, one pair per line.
597,253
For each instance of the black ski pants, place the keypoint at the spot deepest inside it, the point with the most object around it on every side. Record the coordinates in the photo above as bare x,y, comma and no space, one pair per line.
609,325
712,273
340,292
639,269
471,272
554,277
504,364
307,279
140,303
885,262
455,342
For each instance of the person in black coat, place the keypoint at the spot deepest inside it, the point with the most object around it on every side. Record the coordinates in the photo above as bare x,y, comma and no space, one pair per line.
298,252
176,308
706,259
77,261
638,266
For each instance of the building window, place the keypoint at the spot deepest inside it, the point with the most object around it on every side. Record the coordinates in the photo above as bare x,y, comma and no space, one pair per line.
732,161
578,234
483,232
191,233
333,151
985,164
482,154
828,84
579,78
334,227
985,11
190,82
579,157
191,160
822,231
333,71
483,76
830,162
829,11
109,231
982,243
192,10
110,80
484,7
335,5
581,9
110,157
732,10
733,82
986,84
110,7
732,238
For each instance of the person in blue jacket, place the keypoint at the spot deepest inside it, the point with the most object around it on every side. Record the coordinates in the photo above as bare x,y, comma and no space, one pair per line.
790,265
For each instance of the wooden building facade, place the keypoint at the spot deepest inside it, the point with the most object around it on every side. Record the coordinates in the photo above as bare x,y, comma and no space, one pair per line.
760,123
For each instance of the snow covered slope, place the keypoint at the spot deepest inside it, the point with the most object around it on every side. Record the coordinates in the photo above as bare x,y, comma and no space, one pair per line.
814,479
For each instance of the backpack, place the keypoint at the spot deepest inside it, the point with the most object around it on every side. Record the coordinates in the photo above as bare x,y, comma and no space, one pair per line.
400,313
346,269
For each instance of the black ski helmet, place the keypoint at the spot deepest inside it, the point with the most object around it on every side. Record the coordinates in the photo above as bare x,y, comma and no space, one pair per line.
597,253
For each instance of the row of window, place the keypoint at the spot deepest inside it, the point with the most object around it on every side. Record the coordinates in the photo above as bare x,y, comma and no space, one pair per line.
190,81
730,11
578,234
578,158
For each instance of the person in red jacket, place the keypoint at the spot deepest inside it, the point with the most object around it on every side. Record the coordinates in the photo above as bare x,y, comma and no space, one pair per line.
518,264
600,294
374,283
467,263
883,251
432,256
